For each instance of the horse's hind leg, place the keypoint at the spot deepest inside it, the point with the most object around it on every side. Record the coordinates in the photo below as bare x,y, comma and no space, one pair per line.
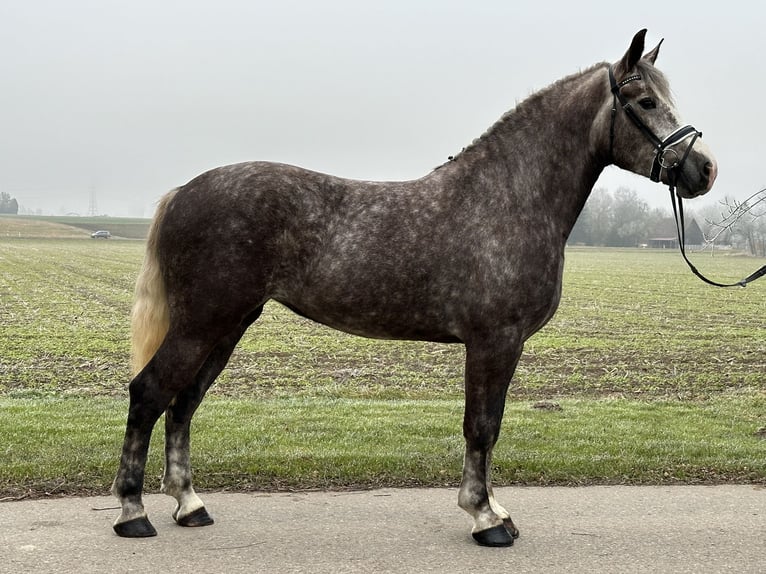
172,368
489,368
177,479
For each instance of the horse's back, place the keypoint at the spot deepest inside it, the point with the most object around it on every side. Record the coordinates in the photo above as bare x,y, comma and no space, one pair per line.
329,247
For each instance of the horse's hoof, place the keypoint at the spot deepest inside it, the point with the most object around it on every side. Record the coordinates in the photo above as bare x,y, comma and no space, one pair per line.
199,517
511,528
496,536
136,528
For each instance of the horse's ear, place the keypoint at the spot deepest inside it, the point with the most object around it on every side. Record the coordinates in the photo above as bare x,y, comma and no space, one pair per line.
634,53
651,57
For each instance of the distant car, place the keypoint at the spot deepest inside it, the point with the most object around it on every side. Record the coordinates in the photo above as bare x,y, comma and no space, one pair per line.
101,235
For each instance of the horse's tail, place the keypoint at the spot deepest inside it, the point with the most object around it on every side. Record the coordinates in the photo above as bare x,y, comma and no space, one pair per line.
150,318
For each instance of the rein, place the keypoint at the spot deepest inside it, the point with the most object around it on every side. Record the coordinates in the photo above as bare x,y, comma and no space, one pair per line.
661,161
678,213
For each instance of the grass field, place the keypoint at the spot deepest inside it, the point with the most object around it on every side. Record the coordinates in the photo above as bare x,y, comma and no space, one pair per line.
659,378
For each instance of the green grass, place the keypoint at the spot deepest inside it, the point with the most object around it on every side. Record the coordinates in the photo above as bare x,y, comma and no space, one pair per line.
661,379
71,445
64,308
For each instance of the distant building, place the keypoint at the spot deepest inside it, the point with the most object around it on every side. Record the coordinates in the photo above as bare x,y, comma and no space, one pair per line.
665,235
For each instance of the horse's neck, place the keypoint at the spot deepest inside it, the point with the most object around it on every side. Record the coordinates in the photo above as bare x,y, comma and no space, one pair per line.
546,155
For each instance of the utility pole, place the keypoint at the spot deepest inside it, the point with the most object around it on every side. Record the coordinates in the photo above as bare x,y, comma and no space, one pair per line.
93,204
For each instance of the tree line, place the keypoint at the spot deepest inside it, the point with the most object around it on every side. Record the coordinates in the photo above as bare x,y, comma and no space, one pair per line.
616,219
622,219
8,204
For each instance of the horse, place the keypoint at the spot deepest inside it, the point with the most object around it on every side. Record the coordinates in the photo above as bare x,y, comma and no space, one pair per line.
471,253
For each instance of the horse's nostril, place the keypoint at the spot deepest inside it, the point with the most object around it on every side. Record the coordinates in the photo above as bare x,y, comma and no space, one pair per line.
711,172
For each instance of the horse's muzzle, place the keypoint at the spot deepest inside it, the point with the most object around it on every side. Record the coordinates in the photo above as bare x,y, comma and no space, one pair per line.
696,176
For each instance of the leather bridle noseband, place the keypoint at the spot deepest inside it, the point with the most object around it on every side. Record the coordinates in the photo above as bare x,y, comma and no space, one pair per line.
673,168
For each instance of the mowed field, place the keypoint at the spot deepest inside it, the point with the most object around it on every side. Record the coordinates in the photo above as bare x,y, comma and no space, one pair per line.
650,376
632,323
70,227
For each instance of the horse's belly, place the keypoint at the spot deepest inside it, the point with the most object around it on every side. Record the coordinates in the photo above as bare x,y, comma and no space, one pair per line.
394,308
355,314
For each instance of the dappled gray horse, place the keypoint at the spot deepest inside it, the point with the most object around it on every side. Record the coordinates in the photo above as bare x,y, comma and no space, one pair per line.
471,253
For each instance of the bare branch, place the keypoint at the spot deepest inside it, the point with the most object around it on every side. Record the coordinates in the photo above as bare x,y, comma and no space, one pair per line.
736,211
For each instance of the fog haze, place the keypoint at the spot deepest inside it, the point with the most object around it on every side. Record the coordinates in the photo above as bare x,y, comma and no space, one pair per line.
106,105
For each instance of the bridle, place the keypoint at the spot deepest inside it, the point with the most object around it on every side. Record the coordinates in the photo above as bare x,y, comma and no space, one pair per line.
662,147
672,165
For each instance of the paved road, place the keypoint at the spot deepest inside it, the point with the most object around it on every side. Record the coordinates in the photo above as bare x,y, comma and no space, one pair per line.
678,530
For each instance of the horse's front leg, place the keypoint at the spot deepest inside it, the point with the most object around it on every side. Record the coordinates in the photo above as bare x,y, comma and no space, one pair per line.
489,368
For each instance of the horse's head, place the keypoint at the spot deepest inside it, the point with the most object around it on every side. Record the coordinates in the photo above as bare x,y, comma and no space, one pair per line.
646,136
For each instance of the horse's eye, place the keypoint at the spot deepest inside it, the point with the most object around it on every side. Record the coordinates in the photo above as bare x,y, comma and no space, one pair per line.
647,103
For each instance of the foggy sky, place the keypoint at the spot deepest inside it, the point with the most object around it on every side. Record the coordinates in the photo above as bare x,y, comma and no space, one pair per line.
124,100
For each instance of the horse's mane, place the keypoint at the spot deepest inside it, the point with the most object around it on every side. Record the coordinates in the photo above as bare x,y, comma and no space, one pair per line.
649,73
533,100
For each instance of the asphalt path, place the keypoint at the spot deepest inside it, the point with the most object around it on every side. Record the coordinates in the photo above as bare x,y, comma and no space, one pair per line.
613,529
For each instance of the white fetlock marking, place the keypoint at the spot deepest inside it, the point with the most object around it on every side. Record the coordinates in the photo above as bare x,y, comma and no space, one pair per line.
496,507
489,514
130,511
188,502
484,520
187,499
